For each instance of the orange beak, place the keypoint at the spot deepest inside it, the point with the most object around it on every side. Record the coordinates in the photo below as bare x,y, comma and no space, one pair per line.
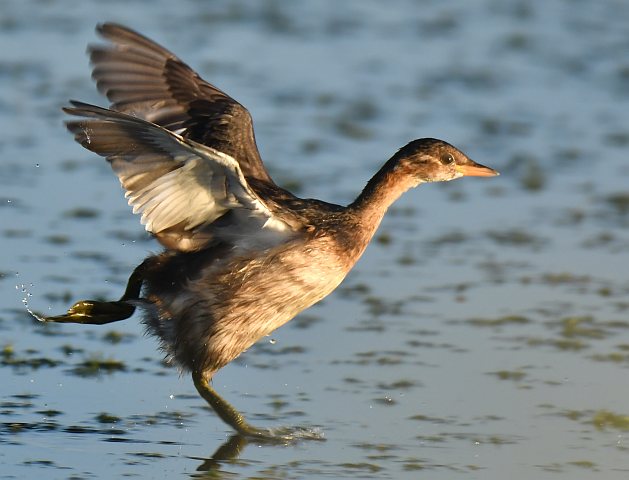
474,169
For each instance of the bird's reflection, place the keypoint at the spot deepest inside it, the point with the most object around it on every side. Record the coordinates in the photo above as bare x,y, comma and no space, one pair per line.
230,450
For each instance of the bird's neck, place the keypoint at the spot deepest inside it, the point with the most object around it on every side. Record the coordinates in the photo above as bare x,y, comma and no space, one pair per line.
384,188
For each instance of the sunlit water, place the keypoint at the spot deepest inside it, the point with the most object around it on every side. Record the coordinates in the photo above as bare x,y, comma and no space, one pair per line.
484,334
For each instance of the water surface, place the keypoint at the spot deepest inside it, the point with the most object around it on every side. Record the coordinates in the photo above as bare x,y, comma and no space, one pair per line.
484,333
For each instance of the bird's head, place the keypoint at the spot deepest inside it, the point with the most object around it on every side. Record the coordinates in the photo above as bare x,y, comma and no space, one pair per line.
432,160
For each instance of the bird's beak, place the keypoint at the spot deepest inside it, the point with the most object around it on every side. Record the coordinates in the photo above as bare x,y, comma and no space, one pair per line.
473,169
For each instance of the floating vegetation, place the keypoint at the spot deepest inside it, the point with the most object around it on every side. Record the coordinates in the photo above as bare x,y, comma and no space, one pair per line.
614,357
500,321
583,464
384,238
406,260
58,239
560,344
50,413
618,138
20,427
378,306
171,418
351,129
516,375
277,404
451,238
16,233
604,420
304,320
96,366
620,202
515,237
386,400
308,146
581,327
376,447
9,358
362,467
114,337
107,418
265,348
41,463
351,291
149,454
69,350
95,256
368,325
82,213
351,122
376,358
398,385
576,333
565,278
433,420
532,177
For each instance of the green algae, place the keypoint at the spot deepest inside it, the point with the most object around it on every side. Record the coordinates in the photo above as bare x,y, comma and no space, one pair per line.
499,321
515,375
96,366
606,419
107,418
25,360
581,327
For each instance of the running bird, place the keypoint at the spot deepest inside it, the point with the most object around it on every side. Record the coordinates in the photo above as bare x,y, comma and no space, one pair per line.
242,255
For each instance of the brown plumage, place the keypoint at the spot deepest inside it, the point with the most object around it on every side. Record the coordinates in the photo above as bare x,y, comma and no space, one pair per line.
243,256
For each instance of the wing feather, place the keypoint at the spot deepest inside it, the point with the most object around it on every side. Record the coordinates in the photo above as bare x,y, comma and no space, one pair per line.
145,80
179,187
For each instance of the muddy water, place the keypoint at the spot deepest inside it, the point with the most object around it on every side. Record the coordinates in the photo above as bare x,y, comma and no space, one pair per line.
486,331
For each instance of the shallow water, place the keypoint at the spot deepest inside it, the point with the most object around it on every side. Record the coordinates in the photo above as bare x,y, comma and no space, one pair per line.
484,333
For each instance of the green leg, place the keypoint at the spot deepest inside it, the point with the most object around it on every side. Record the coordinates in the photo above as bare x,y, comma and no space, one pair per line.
234,419
223,409
93,312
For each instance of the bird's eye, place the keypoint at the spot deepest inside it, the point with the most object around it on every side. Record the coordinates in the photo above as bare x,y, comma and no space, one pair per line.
447,159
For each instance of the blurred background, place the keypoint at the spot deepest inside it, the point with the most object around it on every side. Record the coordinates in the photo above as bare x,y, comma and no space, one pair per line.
484,333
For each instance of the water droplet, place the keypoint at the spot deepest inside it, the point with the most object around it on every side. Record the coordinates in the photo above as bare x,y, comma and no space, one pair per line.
272,341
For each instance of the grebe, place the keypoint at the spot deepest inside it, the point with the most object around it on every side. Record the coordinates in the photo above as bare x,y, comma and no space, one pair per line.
242,255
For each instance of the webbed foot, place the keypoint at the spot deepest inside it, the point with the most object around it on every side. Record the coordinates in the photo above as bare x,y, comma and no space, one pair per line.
92,312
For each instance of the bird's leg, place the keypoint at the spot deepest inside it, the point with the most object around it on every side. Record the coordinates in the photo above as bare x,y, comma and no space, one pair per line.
235,419
223,409
93,312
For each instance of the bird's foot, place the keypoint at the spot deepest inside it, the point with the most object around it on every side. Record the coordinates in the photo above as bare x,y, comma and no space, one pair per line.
93,312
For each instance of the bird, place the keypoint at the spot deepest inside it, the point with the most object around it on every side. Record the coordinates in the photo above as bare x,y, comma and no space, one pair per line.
242,255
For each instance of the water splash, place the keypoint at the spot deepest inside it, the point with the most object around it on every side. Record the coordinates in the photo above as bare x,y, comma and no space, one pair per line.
25,299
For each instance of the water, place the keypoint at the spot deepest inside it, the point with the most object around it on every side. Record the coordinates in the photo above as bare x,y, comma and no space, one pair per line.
483,334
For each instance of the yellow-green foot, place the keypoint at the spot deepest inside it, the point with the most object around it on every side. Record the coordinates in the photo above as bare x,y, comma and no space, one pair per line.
93,312
236,420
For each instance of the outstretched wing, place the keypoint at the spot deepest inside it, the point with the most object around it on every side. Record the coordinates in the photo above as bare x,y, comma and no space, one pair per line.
189,195
145,80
